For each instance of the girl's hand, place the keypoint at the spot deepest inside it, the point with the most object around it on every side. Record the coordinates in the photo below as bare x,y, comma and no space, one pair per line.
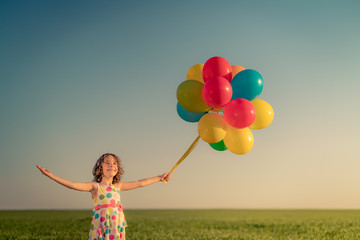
165,177
87,187
45,171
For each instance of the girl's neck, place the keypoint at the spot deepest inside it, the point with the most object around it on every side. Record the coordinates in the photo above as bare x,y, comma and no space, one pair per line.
106,181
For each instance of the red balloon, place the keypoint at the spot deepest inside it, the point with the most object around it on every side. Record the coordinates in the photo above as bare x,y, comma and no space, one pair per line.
239,113
217,92
217,67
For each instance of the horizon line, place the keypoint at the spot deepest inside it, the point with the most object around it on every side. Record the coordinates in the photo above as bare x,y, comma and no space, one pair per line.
172,209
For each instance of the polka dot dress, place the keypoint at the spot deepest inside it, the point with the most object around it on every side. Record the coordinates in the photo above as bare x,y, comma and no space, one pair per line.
108,220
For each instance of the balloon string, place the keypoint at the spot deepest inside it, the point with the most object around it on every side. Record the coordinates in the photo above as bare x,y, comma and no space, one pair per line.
217,110
192,146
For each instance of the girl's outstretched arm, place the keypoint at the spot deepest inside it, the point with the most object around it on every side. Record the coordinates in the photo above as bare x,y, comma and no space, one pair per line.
124,186
72,185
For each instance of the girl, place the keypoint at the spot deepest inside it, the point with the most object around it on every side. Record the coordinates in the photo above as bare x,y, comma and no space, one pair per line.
108,220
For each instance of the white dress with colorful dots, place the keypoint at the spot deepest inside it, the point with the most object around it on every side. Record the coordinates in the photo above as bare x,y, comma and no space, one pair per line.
108,220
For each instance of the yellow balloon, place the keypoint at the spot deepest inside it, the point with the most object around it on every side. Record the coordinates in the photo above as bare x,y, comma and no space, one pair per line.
212,128
189,95
239,140
195,73
264,114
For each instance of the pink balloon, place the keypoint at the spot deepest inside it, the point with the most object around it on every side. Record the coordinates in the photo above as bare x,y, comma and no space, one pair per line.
217,67
217,92
239,113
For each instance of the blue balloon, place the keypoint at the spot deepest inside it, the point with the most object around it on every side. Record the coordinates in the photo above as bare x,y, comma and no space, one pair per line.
187,115
247,84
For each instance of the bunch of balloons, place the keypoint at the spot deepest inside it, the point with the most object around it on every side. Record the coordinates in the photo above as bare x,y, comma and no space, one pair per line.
223,100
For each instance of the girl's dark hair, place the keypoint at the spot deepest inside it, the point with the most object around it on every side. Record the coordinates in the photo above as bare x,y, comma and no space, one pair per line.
97,170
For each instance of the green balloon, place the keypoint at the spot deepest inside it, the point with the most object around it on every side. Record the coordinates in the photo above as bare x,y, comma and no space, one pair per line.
189,95
219,146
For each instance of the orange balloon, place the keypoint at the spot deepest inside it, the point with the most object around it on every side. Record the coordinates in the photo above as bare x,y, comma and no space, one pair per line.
212,128
236,69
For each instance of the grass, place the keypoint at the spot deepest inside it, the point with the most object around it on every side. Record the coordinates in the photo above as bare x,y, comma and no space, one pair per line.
189,224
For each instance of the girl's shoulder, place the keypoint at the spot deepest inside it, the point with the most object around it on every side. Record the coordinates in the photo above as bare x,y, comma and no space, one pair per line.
94,189
118,185
94,186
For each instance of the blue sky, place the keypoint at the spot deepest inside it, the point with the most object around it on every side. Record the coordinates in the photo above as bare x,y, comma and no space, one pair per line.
82,78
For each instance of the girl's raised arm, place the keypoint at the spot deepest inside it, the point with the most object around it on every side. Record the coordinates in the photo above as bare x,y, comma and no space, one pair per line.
124,186
87,187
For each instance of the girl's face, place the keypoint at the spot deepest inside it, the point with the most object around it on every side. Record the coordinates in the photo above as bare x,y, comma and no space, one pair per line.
109,166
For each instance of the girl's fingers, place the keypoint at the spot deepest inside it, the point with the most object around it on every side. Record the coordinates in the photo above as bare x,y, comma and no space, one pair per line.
43,170
168,177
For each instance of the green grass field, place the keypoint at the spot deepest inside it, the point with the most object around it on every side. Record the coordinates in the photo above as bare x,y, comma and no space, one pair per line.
189,224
